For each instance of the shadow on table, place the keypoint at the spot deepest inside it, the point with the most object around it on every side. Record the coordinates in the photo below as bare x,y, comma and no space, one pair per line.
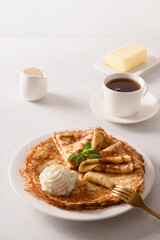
136,224
150,125
57,100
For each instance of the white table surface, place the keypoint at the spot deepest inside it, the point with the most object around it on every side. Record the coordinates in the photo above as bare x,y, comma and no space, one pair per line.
72,80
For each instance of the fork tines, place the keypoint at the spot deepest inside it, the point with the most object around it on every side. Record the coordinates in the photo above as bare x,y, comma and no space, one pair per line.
121,192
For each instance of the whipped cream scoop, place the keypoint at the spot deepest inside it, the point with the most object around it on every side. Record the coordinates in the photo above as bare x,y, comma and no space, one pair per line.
58,180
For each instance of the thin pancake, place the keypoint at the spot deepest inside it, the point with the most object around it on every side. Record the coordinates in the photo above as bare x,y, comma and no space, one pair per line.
86,195
115,153
109,180
70,142
114,159
101,166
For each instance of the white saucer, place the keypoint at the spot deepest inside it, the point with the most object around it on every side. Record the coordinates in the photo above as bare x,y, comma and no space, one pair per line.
149,107
152,60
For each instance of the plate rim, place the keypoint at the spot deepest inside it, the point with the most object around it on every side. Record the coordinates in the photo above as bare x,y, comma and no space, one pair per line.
99,65
117,119
42,204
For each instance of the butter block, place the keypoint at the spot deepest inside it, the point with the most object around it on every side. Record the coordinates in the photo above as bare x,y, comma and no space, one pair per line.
126,57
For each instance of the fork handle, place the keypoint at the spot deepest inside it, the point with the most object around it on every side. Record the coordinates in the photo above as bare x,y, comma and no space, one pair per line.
150,211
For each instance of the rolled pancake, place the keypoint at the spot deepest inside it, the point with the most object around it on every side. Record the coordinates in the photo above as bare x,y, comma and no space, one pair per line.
86,195
101,166
100,178
109,180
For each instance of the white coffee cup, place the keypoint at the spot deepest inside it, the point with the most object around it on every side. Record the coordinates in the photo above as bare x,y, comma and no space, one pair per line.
32,83
123,104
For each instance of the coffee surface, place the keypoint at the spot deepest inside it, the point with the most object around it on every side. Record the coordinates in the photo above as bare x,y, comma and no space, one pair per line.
123,85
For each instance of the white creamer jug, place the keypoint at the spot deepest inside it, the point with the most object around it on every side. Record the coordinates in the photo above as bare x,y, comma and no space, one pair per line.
32,83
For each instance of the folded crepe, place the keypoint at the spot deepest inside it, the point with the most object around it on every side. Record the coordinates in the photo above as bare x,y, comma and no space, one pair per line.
101,140
97,165
97,140
115,153
114,159
70,142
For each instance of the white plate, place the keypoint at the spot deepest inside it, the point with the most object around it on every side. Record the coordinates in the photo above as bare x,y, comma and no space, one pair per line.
149,107
152,60
17,183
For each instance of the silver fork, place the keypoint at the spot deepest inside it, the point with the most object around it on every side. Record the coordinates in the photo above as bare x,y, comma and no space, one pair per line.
131,197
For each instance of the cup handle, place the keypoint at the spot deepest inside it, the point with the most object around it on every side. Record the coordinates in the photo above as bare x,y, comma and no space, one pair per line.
16,74
145,89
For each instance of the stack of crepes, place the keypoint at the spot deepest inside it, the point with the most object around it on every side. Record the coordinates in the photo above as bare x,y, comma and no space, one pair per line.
118,162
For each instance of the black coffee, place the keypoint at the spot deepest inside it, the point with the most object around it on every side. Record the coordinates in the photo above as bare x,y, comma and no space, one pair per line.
123,85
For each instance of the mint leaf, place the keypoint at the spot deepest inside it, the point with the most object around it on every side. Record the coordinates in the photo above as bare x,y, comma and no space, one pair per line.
92,154
87,153
72,156
87,146
80,156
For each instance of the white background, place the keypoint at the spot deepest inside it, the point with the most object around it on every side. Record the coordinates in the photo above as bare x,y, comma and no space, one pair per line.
72,79
80,18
